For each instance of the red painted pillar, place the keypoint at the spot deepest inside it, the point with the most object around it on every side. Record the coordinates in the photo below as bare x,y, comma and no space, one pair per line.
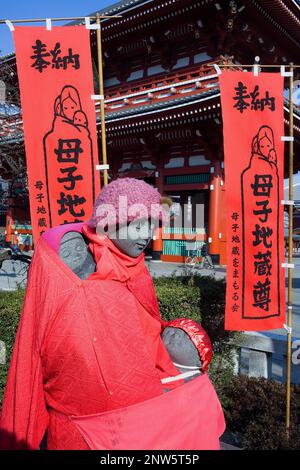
9,221
157,244
157,247
215,212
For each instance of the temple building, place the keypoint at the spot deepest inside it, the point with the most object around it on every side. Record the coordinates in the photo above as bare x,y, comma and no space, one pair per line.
162,100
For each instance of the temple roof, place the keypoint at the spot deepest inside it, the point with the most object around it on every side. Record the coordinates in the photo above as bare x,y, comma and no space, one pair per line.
177,94
7,57
285,14
118,7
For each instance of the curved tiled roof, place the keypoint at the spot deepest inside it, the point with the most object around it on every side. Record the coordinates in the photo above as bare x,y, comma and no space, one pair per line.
120,6
7,57
142,110
283,14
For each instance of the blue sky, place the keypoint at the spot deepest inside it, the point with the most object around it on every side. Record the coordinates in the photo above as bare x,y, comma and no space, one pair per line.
23,9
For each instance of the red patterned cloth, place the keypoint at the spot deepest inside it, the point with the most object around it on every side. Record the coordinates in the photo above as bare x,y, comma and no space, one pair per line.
80,350
112,264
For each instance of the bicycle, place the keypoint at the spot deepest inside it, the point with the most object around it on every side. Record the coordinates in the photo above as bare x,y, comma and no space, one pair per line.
192,261
205,264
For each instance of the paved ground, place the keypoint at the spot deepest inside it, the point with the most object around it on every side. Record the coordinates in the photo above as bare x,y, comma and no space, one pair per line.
158,268
13,274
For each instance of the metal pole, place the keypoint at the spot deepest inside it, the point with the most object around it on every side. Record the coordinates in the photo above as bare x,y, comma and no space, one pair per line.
290,300
101,91
77,18
272,66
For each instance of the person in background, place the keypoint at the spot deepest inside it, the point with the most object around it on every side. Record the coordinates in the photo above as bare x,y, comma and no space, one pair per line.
27,243
20,241
206,258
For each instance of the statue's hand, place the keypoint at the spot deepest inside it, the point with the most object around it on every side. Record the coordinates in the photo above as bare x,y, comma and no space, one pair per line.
180,348
187,343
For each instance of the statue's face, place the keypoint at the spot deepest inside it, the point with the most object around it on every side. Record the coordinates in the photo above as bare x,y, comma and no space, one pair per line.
73,250
133,239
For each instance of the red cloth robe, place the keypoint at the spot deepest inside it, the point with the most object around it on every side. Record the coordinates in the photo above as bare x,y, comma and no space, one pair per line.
80,349
112,264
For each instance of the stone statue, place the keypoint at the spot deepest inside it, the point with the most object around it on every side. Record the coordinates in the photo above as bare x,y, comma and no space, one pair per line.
91,342
74,252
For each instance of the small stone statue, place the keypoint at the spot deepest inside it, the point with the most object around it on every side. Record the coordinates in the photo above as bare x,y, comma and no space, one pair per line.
74,252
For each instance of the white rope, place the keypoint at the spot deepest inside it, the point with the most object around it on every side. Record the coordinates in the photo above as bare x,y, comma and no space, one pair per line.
10,25
102,167
184,375
97,97
186,367
284,73
288,328
48,24
88,24
288,265
288,203
217,69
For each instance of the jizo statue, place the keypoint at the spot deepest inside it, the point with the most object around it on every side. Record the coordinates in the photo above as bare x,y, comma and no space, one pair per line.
93,359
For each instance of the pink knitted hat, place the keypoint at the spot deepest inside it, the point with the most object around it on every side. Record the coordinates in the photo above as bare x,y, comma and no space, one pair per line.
124,200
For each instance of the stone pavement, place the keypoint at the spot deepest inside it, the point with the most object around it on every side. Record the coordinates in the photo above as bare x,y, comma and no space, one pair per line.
159,268
11,276
13,273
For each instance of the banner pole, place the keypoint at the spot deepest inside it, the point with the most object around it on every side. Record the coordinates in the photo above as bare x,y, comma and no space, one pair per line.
101,92
70,18
290,300
270,66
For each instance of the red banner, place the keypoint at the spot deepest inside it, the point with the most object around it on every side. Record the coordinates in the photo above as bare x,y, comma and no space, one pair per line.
253,123
56,84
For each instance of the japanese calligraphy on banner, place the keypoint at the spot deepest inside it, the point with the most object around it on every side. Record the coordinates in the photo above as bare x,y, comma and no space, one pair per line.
56,84
253,123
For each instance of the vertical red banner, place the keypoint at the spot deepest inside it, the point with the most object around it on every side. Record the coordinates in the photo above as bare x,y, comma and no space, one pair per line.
56,84
253,124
